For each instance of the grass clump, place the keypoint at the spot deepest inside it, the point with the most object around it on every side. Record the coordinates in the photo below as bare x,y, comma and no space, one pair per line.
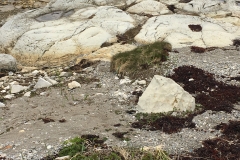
91,147
141,58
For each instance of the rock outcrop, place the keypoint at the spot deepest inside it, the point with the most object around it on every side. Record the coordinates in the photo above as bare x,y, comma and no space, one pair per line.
64,30
164,95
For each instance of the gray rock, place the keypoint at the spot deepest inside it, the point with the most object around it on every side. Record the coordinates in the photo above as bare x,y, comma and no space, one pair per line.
7,62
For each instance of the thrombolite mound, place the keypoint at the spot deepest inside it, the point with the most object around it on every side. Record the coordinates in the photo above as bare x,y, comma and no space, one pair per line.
63,30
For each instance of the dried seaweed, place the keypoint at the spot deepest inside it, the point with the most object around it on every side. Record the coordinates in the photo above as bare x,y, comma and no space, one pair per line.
195,28
196,49
212,94
225,147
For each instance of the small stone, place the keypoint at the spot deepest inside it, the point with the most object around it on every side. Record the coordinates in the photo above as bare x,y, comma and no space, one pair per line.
10,73
191,79
65,74
17,88
74,84
43,93
27,94
2,105
49,147
142,82
14,82
125,81
35,72
51,80
63,158
9,96
88,69
21,131
42,83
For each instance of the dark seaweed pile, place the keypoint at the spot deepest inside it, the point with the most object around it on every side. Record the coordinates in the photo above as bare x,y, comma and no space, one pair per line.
212,94
225,147
168,124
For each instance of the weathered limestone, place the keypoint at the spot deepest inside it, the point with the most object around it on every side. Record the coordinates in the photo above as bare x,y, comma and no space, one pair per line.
64,30
149,7
175,29
164,95
83,31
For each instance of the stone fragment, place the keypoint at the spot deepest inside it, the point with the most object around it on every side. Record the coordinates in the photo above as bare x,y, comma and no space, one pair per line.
42,83
164,95
7,62
74,84
2,105
52,81
66,74
9,96
27,94
16,88
63,158
35,72
126,80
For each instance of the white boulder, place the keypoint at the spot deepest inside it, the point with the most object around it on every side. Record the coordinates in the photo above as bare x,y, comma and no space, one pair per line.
176,30
164,95
57,30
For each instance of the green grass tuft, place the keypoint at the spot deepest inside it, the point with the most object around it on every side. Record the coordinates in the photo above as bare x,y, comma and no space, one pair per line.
143,57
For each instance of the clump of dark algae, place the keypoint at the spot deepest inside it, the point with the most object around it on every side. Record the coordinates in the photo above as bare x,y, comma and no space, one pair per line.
166,123
225,147
211,94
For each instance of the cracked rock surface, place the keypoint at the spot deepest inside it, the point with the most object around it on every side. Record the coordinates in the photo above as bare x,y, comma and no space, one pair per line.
64,30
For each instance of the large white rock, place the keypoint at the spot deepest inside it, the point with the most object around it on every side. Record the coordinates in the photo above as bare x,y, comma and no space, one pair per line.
175,29
7,62
164,95
202,6
149,7
57,30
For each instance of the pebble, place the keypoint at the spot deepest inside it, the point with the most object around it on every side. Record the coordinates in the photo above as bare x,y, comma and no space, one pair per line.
74,84
2,105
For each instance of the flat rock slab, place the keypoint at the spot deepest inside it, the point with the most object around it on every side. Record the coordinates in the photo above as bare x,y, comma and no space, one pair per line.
65,29
186,30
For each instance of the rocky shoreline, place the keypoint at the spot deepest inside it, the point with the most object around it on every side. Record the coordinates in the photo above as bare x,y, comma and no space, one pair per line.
99,104
60,85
